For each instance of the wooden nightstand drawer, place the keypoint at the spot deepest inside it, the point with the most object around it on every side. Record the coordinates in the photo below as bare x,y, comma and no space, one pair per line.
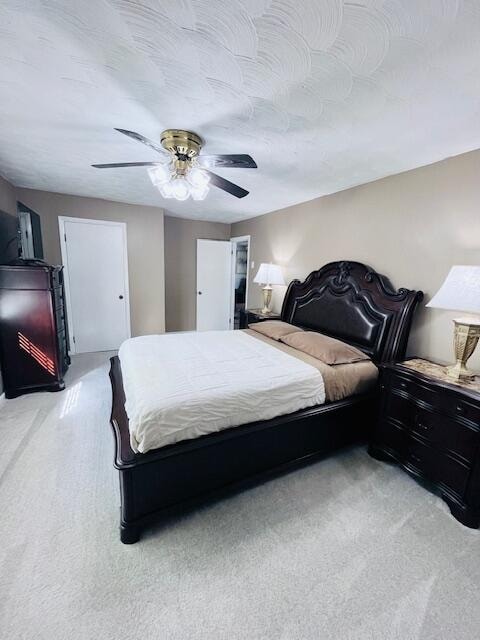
394,438
444,470
430,425
399,408
424,459
446,433
467,411
414,389
438,429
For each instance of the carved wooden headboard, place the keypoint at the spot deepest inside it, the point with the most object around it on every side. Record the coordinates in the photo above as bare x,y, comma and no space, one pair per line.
352,302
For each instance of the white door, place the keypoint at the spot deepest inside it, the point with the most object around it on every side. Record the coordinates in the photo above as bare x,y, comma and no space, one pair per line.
94,254
214,275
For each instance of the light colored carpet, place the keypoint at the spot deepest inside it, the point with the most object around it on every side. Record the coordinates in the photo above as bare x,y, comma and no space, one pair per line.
346,548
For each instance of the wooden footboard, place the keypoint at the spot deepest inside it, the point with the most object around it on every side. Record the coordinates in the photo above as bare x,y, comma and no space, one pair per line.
180,475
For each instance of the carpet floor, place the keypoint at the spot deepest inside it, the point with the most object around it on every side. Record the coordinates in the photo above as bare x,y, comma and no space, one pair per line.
345,548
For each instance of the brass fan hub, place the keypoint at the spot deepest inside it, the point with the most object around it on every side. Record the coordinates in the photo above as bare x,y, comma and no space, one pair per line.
182,143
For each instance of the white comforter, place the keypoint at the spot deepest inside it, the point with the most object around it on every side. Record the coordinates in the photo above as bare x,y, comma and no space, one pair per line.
181,386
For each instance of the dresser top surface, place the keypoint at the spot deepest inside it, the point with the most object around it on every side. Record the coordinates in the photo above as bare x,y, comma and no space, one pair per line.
437,373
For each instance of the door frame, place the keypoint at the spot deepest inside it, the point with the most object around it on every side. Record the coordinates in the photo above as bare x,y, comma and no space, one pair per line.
64,253
234,242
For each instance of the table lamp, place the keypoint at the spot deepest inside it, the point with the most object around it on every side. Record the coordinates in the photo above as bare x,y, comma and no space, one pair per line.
461,292
267,275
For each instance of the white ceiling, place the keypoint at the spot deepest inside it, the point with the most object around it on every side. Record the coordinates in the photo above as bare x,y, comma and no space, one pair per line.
324,94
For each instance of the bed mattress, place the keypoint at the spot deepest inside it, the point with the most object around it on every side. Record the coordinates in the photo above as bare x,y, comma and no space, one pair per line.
182,386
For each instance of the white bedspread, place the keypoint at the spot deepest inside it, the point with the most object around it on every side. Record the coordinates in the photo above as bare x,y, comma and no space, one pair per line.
181,386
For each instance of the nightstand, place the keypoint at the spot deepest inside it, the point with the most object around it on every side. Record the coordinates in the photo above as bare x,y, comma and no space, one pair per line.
255,315
430,426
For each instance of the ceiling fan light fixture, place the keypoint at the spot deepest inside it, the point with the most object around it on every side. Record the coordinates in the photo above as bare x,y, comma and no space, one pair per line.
197,177
166,190
199,193
181,172
180,188
159,175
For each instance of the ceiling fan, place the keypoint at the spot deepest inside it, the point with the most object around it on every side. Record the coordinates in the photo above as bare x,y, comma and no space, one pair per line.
181,171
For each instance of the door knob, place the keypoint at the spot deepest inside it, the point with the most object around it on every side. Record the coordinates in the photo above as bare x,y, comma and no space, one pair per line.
199,293
120,297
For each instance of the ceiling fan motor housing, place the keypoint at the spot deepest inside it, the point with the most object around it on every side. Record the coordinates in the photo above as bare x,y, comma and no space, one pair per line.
184,144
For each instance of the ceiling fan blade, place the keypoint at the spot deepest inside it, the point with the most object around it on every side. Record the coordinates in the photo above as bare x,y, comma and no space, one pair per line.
139,138
117,165
226,185
233,160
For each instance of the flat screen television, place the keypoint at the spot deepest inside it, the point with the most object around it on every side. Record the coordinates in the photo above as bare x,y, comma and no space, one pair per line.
30,233
20,235
8,237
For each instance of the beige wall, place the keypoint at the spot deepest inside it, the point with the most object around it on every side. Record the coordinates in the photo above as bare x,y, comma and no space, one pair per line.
8,204
180,267
412,227
145,247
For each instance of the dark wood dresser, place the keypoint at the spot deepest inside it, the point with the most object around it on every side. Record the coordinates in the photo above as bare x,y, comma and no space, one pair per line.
248,316
430,425
33,328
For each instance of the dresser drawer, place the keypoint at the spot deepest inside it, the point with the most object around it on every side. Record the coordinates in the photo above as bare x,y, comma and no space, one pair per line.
393,437
401,409
414,388
436,466
443,400
25,277
467,411
423,459
446,433
438,429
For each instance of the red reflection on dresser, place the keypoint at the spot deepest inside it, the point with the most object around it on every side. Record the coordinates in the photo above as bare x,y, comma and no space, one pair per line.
36,353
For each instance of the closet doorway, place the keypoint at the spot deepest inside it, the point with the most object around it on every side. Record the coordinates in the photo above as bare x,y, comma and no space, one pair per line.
240,269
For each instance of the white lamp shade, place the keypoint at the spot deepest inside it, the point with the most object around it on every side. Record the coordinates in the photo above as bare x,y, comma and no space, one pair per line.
460,291
269,274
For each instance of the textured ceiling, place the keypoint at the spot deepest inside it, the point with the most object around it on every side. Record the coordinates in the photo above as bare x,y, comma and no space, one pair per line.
324,94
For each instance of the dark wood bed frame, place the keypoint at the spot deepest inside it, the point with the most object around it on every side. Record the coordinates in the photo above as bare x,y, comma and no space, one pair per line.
346,300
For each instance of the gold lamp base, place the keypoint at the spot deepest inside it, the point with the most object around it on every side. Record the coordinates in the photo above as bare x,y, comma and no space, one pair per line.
466,335
267,298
